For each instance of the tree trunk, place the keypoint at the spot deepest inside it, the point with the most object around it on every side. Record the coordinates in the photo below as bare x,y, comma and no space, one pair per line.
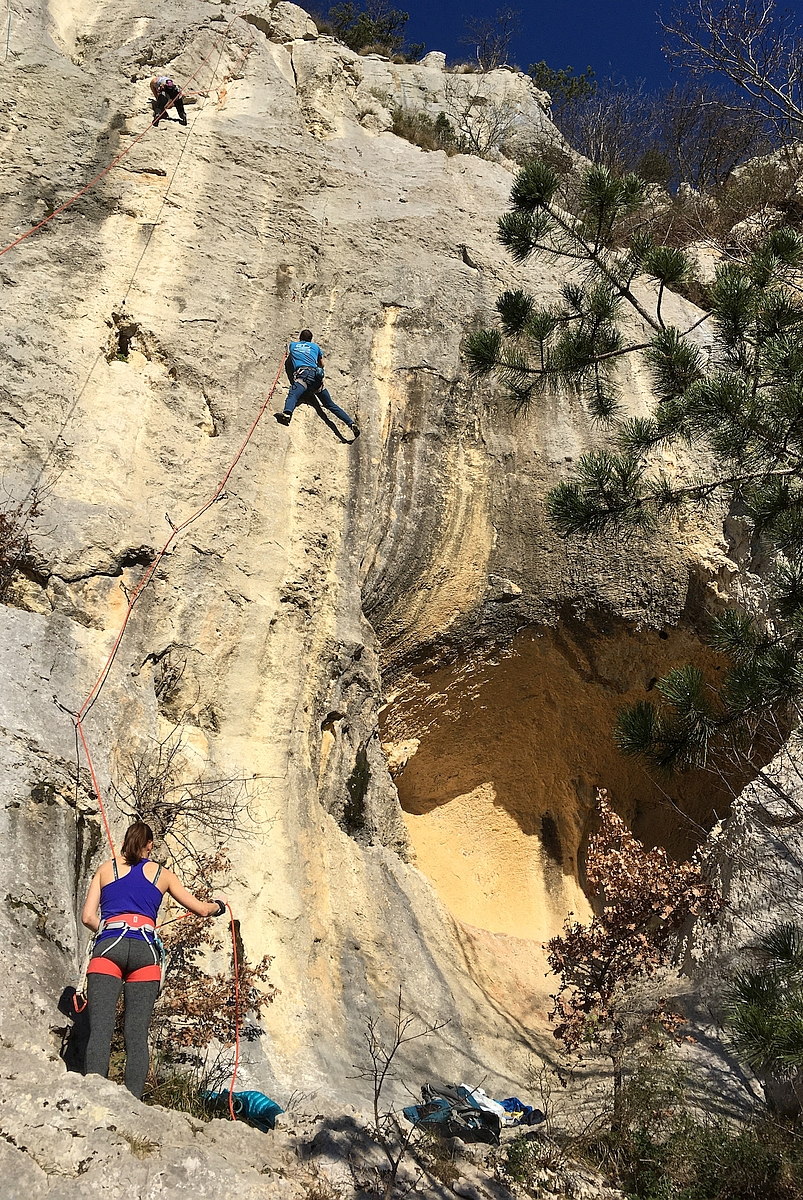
616,1060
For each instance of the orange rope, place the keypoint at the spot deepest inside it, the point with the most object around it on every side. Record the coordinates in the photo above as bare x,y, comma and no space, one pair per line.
95,783
130,146
140,588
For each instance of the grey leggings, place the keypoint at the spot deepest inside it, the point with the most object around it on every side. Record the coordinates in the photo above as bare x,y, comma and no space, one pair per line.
103,992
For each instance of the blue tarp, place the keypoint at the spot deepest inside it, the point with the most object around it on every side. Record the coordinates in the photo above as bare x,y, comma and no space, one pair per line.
529,1115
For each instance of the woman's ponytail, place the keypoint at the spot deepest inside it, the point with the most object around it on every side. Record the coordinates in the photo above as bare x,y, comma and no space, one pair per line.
137,837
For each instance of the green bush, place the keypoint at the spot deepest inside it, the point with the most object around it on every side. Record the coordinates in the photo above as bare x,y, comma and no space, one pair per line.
693,1159
660,1147
421,130
375,29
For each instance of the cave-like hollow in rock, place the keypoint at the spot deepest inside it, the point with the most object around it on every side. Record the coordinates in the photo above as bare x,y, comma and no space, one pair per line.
497,759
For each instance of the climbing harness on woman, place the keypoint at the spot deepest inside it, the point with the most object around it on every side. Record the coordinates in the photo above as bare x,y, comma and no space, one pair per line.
121,909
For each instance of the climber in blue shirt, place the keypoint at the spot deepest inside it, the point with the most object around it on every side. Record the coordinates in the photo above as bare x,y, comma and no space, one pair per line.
304,367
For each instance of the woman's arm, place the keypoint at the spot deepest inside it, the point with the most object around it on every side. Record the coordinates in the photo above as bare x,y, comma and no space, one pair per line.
203,908
90,913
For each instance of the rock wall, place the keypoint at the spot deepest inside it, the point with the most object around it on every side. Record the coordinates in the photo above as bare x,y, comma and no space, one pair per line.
331,581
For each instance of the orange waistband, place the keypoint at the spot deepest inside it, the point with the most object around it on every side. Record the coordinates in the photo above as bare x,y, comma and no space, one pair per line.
133,920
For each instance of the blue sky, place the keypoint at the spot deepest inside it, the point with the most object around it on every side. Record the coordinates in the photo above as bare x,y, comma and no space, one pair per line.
616,37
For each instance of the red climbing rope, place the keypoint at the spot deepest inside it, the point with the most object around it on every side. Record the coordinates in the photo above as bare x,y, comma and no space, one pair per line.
95,783
130,146
82,712
236,1011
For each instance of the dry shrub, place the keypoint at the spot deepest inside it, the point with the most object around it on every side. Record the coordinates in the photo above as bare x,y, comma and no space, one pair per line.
421,130
16,548
546,150
763,193
198,1006
186,809
607,998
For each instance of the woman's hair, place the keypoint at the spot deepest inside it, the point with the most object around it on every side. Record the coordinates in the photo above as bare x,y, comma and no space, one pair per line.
136,839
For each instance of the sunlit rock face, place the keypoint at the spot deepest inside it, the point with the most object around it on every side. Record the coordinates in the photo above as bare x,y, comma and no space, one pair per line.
499,785
404,589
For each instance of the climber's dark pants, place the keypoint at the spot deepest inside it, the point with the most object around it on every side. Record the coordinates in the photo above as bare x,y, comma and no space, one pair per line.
103,992
299,391
164,98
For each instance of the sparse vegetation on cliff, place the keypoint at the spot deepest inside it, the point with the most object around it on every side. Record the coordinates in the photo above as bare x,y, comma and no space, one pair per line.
370,28
490,38
420,129
16,546
379,1068
723,139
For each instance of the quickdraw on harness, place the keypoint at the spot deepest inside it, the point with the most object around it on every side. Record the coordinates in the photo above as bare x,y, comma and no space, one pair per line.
311,377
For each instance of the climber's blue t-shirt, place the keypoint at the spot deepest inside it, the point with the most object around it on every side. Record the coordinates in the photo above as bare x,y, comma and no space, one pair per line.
304,354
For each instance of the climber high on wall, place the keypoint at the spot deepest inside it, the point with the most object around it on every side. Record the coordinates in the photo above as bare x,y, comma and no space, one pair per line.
167,94
304,366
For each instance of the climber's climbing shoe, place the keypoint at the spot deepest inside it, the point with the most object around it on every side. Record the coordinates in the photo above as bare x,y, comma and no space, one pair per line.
355,430
283,418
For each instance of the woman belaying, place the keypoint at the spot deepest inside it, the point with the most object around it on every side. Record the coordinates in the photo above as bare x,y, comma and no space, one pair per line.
120,908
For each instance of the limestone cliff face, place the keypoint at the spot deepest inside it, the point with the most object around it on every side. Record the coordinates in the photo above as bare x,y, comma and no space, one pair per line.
142,329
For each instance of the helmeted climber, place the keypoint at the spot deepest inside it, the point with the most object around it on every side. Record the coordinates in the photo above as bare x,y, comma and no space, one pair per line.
304,366
164,91
121,907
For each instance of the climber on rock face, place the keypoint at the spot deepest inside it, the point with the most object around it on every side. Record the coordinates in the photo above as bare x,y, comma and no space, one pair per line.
164,90
304,367
126,953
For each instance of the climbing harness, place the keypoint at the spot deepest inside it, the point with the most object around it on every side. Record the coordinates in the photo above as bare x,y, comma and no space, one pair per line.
127,923
311,377
130,923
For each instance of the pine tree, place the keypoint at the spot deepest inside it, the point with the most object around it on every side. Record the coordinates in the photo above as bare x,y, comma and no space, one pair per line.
764,1007
740,406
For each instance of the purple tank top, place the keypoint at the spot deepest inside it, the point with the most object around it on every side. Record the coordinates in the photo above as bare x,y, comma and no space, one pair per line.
133,893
